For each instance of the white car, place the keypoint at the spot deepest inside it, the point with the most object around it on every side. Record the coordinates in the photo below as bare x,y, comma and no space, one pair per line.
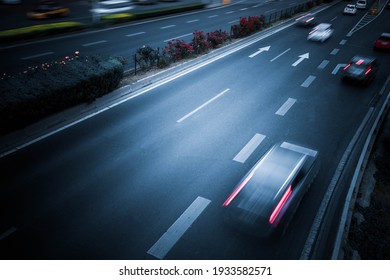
361,4
321,32
350,9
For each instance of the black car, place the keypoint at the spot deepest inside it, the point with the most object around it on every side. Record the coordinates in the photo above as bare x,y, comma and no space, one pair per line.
265,200
306,20
361,69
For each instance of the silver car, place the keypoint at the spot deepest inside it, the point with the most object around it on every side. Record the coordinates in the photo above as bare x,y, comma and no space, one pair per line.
267,197
321,32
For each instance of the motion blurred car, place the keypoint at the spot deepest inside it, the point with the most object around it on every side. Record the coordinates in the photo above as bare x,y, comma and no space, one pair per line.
321,32
306,20
350,9
266,199
383,42
360,69
361,4
48,9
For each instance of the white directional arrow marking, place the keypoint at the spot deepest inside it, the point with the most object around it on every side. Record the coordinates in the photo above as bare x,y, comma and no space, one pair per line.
301,58
337,68
260,51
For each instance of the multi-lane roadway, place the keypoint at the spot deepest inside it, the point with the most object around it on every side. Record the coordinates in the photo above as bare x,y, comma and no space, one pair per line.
146,179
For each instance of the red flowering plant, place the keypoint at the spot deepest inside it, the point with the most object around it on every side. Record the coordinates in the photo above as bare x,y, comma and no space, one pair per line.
199,42
177,50
248,26
217,37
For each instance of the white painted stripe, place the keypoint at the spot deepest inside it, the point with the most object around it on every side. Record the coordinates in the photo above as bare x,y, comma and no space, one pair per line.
168,26
308,81
334,52
7,233
323,64
230,12
233,21
213,16
342,42
249,148
243,9
270,11
178,228
185,35
192,21
337,68
135,34
276,57
333,18
37,55
299,149
286,106
94,43
203,105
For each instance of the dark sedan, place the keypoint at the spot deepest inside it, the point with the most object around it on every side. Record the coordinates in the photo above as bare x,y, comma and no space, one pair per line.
360,69
269,194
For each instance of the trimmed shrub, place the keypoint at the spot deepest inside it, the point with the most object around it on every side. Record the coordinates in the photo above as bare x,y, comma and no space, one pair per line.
217,38
177,50
51,87
199,42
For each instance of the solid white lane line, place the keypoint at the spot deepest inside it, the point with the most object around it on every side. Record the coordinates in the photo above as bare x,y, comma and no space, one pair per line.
308,81
36,55
181,36
334,52
168,26
323,64
135,34
192,21
178,228
203,105
94,43
276,57
249,148
286,106
299,149
7,233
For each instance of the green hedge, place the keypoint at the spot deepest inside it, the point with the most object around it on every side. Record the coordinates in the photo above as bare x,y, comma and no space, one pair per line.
50,88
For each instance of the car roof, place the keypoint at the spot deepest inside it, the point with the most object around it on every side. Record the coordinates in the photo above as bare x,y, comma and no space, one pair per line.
362,60
269,179
386,35
351,5
323,26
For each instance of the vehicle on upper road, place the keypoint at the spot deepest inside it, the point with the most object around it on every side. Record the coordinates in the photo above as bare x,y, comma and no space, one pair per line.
383,42
321,32
350,9
360,69
306,20
361,4
48,9
265,200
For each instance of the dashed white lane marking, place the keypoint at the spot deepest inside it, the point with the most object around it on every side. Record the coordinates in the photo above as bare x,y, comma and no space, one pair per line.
334,52
7,233
243,9
333,19
285,107
249,148
233,21
36,55
192,21
203,105
323,64
342,42
230,12
94,43
167,26
135,34
178,228
308,81
185,35
212,16
276,57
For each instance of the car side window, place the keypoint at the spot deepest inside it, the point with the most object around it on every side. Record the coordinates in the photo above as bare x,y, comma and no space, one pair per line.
298,178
